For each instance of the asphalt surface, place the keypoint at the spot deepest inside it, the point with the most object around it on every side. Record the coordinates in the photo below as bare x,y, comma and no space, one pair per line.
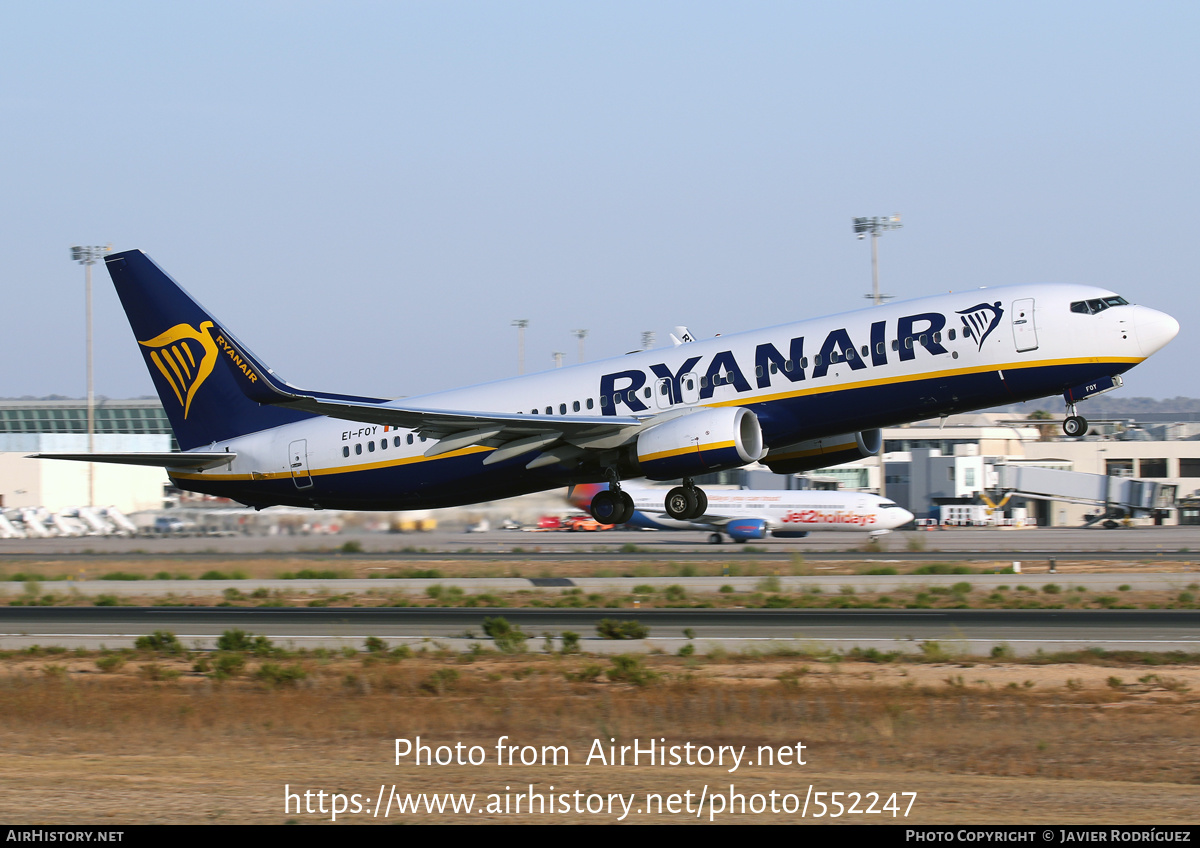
967,631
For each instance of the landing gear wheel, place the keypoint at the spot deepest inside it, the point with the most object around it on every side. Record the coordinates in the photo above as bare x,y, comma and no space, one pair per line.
714,539
607,505
626,508
701,503
680,503
1075,426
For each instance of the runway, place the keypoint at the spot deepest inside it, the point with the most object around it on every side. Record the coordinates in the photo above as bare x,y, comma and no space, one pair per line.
1169,543
973,632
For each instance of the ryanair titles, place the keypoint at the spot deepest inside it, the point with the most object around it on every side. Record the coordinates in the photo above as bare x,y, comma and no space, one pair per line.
693,382
238,362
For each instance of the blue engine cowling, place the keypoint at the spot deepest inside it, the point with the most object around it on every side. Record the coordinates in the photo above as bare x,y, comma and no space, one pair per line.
742,529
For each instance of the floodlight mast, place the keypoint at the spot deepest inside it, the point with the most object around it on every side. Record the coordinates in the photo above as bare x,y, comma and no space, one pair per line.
87,256
876,227
520,324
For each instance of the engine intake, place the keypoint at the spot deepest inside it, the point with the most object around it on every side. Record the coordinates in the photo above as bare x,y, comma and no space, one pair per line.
700,442
826,452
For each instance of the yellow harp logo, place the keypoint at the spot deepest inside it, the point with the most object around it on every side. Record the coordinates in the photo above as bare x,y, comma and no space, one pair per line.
185,357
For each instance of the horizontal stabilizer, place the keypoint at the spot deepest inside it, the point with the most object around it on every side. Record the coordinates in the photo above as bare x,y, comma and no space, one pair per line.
162,459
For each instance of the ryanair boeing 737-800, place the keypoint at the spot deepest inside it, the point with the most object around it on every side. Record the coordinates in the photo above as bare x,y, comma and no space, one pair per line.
796,397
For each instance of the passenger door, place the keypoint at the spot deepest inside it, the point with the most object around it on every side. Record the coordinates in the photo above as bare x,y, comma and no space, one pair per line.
298,463
1024,332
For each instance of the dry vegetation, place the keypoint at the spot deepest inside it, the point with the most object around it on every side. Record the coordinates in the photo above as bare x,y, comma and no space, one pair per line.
168,736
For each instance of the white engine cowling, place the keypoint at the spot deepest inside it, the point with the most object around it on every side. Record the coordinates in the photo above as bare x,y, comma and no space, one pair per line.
825,452
700,442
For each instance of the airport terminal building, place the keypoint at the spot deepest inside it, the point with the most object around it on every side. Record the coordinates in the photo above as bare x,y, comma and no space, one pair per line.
57,425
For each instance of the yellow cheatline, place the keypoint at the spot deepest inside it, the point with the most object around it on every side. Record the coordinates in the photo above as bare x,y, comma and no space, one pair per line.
321,472
689,449
835,386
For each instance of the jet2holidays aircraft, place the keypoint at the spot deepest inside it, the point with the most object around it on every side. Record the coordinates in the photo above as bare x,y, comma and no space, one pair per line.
747,514
796,397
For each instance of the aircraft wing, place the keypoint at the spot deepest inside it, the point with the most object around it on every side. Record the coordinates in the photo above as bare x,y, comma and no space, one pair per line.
159,459
511,434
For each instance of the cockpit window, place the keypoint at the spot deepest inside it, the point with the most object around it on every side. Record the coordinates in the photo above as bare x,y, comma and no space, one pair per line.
1099,304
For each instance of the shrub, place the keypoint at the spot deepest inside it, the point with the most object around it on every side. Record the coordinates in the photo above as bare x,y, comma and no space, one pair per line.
587,674
675,592
280,675
726,589
629,669
441,680
643,589
611,628
687,650
106,601
508,639
229,665
570,642
154,671
110,663
1052,588
239,640
768,584
374,644
161,641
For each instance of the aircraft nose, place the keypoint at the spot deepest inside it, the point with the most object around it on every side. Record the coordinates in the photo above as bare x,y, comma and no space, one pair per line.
1154,330
907,517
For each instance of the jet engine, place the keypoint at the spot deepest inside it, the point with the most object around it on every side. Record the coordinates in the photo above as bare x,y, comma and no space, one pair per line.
825,452
743,529
700,442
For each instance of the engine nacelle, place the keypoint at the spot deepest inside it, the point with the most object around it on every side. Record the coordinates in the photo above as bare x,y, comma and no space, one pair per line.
699,443
826,452
743,529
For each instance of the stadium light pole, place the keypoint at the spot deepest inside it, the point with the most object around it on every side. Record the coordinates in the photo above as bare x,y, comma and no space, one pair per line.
521,324
876,227
87,256
581,335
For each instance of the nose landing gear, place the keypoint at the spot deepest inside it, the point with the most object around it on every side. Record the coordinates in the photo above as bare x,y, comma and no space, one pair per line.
1075,425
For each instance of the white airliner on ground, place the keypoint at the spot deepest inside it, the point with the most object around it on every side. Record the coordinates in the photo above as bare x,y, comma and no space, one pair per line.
795,397
746,514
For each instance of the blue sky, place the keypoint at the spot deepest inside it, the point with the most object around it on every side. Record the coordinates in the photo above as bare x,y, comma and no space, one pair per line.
369,193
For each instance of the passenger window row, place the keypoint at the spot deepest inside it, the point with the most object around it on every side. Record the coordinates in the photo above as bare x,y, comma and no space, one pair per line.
383,445
722,380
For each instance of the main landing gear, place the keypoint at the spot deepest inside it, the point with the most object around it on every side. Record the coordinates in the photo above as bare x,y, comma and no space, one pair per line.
1075,425
686,502
612,506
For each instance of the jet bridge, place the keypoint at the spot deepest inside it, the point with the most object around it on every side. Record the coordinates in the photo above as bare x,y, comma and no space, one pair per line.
1118,496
